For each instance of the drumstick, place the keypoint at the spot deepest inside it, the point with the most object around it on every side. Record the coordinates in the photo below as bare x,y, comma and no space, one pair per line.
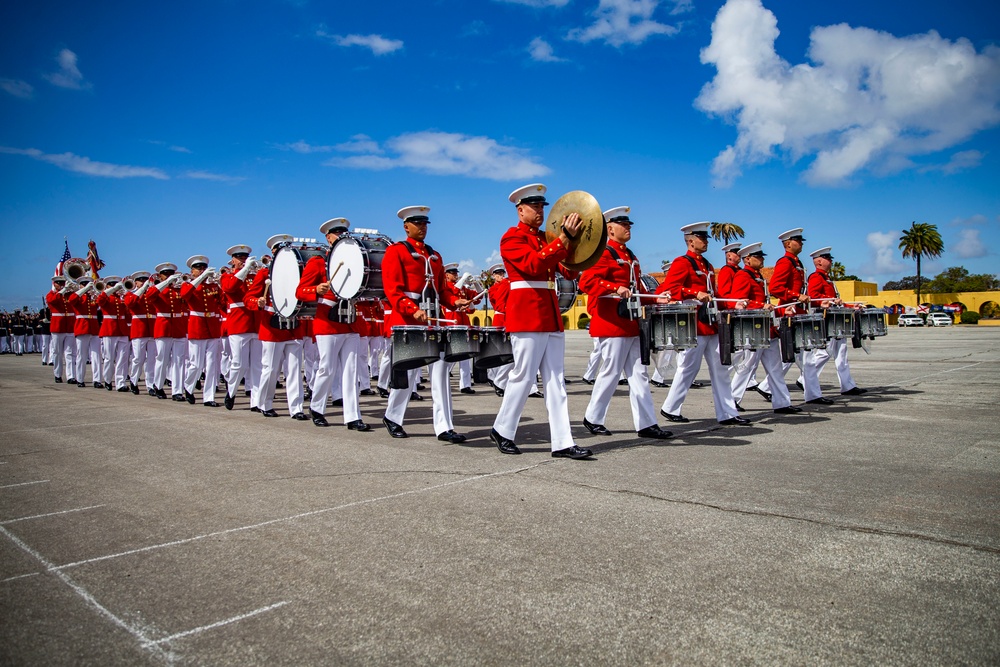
335,269
639,296
441,319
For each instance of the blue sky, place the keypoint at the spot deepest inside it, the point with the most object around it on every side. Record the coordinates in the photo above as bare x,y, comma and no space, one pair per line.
164,130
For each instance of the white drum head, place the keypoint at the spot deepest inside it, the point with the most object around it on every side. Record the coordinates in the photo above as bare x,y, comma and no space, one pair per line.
286,271
347,267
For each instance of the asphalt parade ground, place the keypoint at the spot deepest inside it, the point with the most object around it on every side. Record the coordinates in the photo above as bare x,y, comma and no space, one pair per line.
136,531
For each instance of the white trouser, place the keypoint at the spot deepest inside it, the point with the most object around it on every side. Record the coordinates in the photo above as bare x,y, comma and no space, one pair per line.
46,348
226,359
810,378
770,359
385,368
203,356
143,355
441,397
19,344
688,365
310,360
534,352
464,373
836,347
115,350
364,373
170,354
499,375
88,345
244,363
337,360
274,355
620,354
377,345
63,352
594,362
664,365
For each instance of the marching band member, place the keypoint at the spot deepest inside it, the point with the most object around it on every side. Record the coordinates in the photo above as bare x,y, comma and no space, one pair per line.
169,332
617,273
85,331
498,293
751,289
141,303
691,277
63,321
241,326
369,332
278,345
45,331
204,330
114,334
385,360
413,279
723,290
533,319
824,292
461,318
336,338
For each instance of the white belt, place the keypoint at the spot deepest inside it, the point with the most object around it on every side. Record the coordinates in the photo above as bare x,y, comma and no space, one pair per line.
236,304
86,317
269,309
195,314
326,302
170,314
533,284
413,295
386,312
112,317
498,312
142,317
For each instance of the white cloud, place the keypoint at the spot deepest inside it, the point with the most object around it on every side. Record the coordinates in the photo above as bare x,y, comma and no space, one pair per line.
541,51
178,149
537,3
976,219
620,22
301,146
869,100
885,253
359,143
17,88
961,161
494,258
969,244
445,153
83,165
209,176
69,75
378,44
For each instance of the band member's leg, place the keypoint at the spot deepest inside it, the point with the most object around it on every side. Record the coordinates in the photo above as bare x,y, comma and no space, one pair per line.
528,348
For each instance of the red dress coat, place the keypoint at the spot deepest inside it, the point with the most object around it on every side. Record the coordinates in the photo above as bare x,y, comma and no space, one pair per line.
63,315
206,304
531,263
821,287
787,281
86,315
461,317
313,274
239,318
404,278
499,291
143,309
606,277
683,281
171,313
265,332
116,315
724,288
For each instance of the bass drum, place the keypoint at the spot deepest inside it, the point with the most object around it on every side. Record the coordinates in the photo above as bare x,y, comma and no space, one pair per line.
566,290
285,274
356,266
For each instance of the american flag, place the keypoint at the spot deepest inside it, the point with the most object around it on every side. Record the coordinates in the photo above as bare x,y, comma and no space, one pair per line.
65,257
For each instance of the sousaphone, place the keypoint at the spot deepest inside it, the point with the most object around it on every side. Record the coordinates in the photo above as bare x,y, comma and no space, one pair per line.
592,237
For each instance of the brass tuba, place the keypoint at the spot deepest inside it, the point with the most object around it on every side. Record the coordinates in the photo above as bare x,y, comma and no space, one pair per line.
75,268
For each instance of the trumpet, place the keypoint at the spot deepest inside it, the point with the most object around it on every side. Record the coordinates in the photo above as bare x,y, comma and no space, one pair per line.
99,285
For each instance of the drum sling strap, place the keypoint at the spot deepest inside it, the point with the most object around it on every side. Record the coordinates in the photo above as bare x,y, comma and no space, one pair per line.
626,314
428,293
725,331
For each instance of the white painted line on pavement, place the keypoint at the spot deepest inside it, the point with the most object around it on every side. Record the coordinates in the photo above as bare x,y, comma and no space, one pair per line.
19,576
218,624
41,516
356,503
11,486
920,377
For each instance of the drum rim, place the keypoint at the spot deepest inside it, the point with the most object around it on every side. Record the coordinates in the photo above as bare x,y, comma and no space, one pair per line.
296,302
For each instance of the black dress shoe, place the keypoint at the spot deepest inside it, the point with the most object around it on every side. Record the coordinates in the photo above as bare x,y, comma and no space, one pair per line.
247,393
98,385
255,409
210,404
300,417
132,388
71,380
81,384
110,386
467,390
788,410
654,432
798,383
822,400
123,390
503,444
161,394
416,397
229,401
588,381
740,408
573,452
358,425
451,436
337,402
658,384
366,392
189,397
383,393
674,418
622,381
856,391
197,385
596,429
278,385
735,421
269,413
498,390
395,430
318,418
167,383
420,387
179,398
58,380
695,384
763,394
536,394
307,394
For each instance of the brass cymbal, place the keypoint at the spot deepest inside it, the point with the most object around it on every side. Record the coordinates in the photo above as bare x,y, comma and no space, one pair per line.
593,236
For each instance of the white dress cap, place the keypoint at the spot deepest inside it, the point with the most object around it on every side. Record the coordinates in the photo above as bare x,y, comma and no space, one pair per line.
279,238
751,249
166,266
239,249
696,228
111,279
196,259
791,233
453,266
496,268
413,213
732,247
822,251
617,214
334,223
529,194
144,275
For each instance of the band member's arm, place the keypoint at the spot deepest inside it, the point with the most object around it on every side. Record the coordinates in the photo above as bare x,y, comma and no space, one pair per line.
517,250
676,280
394,281
313,284
599,279
743,289
254,298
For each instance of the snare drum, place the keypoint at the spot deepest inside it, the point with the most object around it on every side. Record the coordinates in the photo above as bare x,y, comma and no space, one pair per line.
810,331
672,327
460,343
649,282
355,266
566,289
495,348
751,329
285,273
839,323
415,346
872,322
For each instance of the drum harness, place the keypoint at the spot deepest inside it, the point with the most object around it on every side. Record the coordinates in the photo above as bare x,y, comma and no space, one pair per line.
429,298
629,308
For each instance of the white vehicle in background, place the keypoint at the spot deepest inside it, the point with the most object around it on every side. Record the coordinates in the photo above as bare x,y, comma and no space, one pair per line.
939,320
910,320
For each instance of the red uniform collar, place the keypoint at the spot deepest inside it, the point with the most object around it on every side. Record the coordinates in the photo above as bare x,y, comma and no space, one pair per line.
529,229
617,246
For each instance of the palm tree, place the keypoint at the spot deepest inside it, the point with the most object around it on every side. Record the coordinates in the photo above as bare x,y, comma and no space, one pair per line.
921,240
837,271
725,232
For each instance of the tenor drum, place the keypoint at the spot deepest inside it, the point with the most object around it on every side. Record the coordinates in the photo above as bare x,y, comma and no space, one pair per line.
415,346
839,323
810,331
460,343
672,327
566,289
285,273
872,323
356,266
495,348
751,329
